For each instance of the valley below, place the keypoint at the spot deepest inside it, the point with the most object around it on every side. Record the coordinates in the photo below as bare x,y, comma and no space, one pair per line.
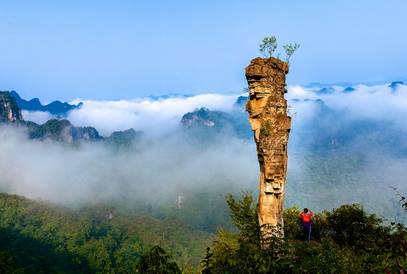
96,199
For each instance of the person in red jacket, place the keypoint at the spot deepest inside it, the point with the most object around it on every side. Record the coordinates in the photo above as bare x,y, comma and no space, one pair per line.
306,218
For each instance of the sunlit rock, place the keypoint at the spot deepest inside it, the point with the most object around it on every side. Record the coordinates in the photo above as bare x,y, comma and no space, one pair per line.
271,125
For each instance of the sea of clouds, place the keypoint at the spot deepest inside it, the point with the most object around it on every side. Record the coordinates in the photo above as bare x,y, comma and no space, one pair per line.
158,115
378,102
151,115
149,171
165,163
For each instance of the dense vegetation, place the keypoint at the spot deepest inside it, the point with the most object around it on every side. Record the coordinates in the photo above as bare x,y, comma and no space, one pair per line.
346,240
38,237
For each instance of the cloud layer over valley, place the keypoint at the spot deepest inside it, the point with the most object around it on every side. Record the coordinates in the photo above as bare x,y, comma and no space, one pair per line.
346,145
94,172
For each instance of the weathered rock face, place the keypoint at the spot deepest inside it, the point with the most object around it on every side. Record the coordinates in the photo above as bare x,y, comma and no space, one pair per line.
271,126
9,111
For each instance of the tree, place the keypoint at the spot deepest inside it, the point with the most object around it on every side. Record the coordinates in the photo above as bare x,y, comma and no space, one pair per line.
290,49
350,240
268,46
157,261
241,251
402,197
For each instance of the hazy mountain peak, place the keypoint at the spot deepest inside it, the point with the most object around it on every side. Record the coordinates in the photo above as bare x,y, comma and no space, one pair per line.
56,107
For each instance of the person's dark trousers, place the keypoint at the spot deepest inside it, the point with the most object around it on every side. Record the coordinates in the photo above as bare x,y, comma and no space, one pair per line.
307,231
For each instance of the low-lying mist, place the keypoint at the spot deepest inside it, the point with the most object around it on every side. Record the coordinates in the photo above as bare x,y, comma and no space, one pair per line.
346,148
151,170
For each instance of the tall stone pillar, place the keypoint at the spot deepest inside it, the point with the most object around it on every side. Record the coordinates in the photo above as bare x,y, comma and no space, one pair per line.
271,126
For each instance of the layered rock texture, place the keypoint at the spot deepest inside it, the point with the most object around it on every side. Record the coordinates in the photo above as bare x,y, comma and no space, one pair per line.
9,110
271,126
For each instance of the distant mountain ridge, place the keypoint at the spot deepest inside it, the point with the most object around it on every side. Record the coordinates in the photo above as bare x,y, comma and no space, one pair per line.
330,148
318,133
63,131
56,107
394,85
57,129
204,123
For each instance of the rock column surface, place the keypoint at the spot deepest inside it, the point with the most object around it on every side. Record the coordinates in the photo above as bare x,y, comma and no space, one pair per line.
271,125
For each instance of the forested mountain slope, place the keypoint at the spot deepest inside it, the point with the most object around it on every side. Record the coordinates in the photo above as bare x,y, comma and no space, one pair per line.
39,237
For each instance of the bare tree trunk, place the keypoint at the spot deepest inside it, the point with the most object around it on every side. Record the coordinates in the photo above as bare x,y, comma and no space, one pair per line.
271,125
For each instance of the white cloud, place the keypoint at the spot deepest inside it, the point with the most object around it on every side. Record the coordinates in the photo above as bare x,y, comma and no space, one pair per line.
153,170
145,113
38,117
163,115
159,166
373,102
299,92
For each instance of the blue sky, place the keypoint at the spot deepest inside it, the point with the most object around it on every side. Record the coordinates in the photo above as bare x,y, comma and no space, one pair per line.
126,49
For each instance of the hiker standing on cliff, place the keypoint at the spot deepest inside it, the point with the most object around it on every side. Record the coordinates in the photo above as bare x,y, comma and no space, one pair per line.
306,216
